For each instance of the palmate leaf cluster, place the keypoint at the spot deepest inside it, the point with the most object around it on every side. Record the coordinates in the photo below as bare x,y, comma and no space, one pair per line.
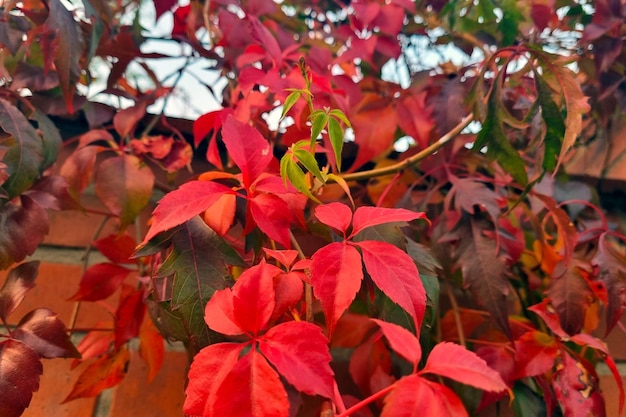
386,214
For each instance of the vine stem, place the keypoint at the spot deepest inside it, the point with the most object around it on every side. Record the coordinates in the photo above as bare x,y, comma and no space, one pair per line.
456,313
77,304
370,399
308,290
429,150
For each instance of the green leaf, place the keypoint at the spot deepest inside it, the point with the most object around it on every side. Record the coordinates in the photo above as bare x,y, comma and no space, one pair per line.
309,162
319,121
52,141
508,25
197,267
556,73
339,115
290,101
24,155
289,169
494,137
555,127
335,132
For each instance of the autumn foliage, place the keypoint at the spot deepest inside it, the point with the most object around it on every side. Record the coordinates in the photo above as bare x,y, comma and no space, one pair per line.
383,215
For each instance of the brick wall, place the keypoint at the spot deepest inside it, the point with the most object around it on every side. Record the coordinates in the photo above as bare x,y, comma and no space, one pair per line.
61,259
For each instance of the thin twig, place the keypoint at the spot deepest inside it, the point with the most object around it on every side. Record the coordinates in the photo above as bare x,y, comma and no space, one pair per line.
76,309
456,313
308,290
431,149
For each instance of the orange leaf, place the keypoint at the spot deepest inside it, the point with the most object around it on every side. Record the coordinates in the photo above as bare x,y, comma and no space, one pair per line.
104,373
151,348
221,214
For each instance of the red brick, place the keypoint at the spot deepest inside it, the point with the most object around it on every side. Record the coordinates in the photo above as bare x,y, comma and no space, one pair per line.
56,383
611,394
164,396
616,340
54,285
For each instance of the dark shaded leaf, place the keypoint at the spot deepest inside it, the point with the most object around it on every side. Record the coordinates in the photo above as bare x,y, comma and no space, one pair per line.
129,315
570,296
23,225
612,272
24,155
484,272
197,266
69,49
45,333
20,368
19,281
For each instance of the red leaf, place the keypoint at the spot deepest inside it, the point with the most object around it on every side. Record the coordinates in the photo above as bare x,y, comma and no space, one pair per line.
219,313
585,339
248,306
104,373
374,121
206,123
534,354
414,394
371,216
368,361
336,275
254,297
180,205
265,38
221,215
45,333
126,119
206,374
19,281
289,288
300,353
251,389
124,186
395,273
100,281
129,315
285,257
151,348
273,217
162,6
403,342
455,362
248,149
95,343
78,169
20,368
549,316
574,388
336,215
117,248
413,118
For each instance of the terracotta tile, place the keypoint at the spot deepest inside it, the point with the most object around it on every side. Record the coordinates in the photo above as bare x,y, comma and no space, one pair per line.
56,383
54,285
164,396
